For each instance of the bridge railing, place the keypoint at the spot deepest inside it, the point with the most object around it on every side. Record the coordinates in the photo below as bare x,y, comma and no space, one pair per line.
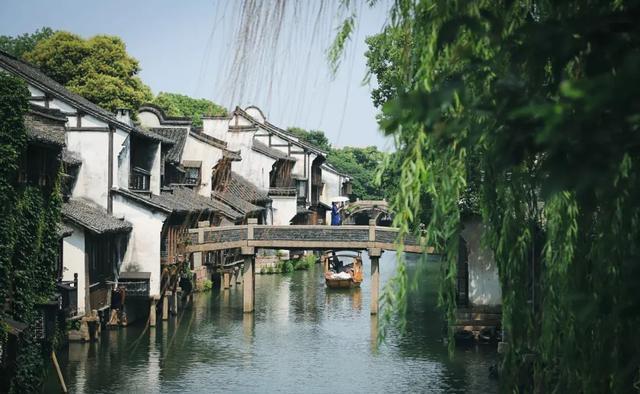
299,237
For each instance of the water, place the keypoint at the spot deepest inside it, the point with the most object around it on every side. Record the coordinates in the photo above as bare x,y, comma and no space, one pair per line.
302,338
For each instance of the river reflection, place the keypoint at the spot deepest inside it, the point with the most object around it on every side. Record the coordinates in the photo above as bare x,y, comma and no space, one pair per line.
302,338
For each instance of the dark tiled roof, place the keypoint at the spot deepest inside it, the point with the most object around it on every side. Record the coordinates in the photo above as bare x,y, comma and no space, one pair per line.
270,152
151,135
176,134
92,217
45,126
42,81
240,205
242,188
332,168
180,200
209,139
280,132
213,141
64,230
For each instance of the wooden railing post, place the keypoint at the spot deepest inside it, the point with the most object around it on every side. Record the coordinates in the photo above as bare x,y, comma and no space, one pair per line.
251,223
372,230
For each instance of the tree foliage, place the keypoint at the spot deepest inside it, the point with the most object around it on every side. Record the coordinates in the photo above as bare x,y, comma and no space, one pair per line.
174,104
361,164
530,111
19,45
314,137
29,216
388,57
99,68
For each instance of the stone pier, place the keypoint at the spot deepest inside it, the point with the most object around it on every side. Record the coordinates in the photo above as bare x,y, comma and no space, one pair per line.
374,256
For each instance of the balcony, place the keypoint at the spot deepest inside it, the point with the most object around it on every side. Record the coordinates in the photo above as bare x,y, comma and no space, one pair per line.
68,290
136,284
139,180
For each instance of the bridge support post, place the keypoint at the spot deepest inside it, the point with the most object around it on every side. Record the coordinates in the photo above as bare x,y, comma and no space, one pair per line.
248,279
374,255
153,306
165,306
226,280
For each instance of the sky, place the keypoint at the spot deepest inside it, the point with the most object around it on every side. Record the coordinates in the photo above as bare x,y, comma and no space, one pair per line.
186,47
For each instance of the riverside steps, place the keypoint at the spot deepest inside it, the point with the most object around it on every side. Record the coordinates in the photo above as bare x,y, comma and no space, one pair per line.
372,239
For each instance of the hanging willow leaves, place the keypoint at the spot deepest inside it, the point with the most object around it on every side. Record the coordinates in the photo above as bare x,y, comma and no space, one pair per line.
529,113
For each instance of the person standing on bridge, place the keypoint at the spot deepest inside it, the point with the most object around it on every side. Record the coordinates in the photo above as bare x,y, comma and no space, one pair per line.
336,220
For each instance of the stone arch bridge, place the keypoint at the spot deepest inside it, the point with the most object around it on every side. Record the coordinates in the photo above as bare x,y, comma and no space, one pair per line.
374,239
362,211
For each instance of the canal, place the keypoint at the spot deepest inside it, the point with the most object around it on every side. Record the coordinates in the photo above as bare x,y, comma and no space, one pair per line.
302,338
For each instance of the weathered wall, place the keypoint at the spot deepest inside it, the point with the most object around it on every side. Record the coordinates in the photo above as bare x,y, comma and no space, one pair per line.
284,209
92,148
143,253
484,284
73,262
148,119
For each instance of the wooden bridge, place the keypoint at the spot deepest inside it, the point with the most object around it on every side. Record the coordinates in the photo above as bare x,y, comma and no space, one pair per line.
374,239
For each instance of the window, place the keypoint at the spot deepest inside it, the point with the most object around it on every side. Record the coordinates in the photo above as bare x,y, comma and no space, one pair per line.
139,179
192,175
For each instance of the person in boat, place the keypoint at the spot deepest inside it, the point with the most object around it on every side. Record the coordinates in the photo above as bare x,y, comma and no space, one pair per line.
336,220
336,263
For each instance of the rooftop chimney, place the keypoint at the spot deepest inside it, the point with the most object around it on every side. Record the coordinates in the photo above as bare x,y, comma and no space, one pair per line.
124,115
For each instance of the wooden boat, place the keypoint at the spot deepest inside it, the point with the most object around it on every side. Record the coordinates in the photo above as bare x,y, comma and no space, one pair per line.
338,275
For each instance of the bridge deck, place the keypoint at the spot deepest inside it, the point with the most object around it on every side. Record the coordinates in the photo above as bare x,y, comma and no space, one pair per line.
300,237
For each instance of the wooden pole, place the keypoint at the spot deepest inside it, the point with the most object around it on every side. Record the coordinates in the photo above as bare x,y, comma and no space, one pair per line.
57,366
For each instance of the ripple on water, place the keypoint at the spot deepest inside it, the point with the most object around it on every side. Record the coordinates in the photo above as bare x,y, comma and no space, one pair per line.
302,338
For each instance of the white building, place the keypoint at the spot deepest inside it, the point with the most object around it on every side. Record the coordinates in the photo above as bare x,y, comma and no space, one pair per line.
114,201
276,160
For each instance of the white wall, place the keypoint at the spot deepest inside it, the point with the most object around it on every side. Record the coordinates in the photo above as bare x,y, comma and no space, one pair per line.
148,119
484,284
284,209
195,149
217,128
122,153
143,253
331,188
92,148
73,261
255,167
154,182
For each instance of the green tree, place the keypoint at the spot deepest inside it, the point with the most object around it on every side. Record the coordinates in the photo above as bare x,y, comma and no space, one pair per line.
19,45
99,69
29,218
174,104
389,60
314,137
529,112
362,165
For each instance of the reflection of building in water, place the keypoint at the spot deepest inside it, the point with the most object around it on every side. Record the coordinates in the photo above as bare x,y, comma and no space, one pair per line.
357,299
478,292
